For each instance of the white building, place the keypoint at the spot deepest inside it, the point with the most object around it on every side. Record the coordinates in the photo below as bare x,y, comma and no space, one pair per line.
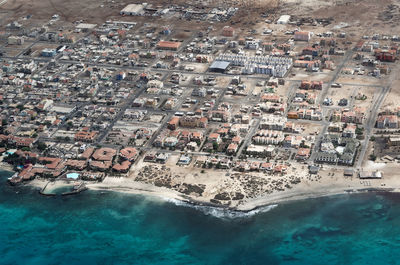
283,19
133,9
252,44
85,26
302,35
12,40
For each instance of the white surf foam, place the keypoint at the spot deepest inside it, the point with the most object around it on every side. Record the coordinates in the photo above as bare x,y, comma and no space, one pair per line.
223,213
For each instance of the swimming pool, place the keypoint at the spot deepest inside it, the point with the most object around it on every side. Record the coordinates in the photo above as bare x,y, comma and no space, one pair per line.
73,175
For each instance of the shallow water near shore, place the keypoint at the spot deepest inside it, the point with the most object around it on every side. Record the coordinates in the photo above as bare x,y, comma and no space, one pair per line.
113,228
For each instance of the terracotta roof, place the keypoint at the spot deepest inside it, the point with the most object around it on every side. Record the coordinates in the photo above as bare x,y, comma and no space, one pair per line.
129,153
52,162
104,154
168,44
100,164
124,166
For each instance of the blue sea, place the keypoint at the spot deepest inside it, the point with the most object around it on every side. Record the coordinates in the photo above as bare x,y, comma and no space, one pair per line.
112,228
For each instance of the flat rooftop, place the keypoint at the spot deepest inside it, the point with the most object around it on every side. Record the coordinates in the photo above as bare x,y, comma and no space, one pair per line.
86,26
133,8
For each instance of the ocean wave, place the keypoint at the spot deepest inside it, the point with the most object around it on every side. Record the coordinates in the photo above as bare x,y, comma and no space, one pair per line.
220,212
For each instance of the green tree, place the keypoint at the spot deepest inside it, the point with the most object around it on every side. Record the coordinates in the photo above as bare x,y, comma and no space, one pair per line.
41,146
215,146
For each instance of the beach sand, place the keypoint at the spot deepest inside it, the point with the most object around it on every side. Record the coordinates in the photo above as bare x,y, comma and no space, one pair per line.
222,188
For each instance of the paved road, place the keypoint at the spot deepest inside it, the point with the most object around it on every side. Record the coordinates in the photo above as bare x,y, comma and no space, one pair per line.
370,123
248,138
323,94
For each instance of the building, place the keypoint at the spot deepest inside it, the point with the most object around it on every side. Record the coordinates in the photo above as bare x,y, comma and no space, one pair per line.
85,27
21,141
349,154
170,103
84,136
104,154
14,40
284,19
193,122
261,151
276,66
292,115
87,153
311,85
386,56
349,131
76,164
215,138
393,141
232,149
313,169
348,172
228,31
370,175
252,44
197,137
219,66
122,167
266,166
168,45
220,116
273,122
49,52
129,153
387,121
303,153
302,36
173,123
324,157
133,10
184,160
100,165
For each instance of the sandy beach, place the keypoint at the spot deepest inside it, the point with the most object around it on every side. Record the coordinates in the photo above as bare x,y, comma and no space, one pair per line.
329,181
324,187
256,189
128,186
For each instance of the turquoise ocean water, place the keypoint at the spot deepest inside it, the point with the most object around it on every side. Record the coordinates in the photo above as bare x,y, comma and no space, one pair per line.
112,228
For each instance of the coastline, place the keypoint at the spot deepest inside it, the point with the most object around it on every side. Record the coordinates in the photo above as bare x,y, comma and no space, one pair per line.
6,167
247,205
297,196
327,184
132,187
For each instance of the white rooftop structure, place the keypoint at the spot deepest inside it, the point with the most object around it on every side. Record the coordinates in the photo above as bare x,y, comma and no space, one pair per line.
62,109
370,175
86,26
284,19
133,9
